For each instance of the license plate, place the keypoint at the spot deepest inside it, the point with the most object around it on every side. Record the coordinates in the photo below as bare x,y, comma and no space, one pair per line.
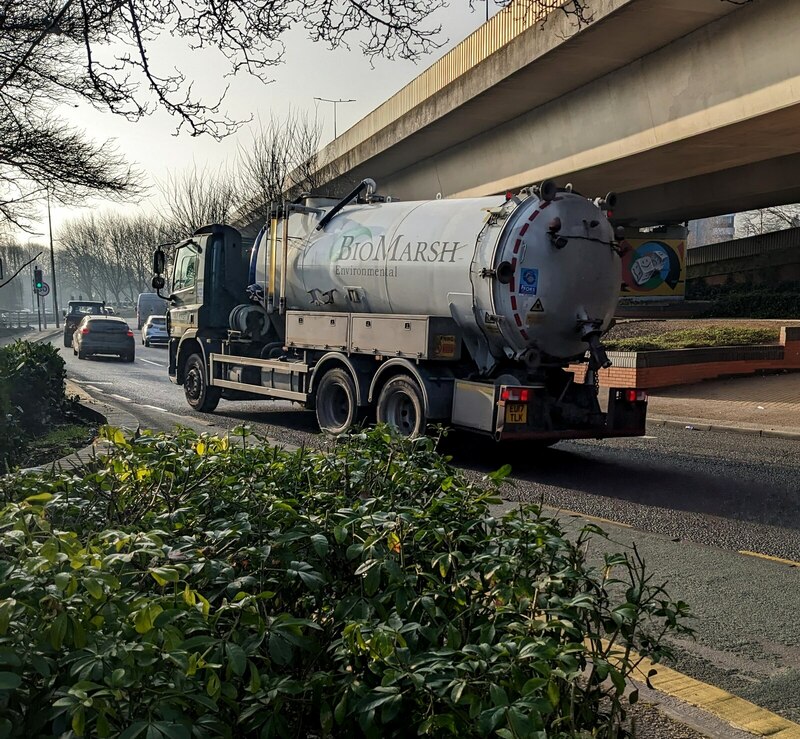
516,413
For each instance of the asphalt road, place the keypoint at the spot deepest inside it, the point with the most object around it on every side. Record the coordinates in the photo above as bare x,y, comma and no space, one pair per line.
691,501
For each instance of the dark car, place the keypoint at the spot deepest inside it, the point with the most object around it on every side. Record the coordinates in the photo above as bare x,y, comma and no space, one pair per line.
104,335
76,311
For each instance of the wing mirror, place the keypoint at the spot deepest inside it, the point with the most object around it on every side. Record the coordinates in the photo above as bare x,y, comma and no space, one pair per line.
159,263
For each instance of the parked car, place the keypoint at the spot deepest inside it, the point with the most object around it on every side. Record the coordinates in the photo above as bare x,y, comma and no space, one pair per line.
76,311
104,335
154,331
109,310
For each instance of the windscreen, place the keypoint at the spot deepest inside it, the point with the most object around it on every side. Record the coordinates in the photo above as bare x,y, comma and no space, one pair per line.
86,309
109,326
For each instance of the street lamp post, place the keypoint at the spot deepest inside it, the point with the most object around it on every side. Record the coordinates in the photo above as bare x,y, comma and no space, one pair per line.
335,103
52,261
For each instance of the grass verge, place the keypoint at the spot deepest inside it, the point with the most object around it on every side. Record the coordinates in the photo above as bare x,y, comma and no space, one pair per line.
708,336
59,441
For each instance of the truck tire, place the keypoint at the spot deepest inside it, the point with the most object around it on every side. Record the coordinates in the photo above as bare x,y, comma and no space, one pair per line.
199,395
336,406
402,406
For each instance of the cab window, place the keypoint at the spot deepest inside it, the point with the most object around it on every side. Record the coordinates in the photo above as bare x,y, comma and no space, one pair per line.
185,268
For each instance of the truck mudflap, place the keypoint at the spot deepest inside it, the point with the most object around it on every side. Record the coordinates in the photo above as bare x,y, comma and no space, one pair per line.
522,414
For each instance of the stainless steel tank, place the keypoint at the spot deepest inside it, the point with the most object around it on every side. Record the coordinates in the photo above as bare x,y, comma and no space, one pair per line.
525,278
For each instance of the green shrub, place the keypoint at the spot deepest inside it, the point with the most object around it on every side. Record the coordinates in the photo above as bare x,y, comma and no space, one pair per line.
756,305
696,337
31,394
748,299
189,586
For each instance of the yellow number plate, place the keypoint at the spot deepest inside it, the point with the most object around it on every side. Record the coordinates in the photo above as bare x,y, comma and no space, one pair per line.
516,413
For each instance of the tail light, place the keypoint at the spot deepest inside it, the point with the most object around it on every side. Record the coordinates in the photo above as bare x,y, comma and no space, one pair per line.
84,331
515,394
130,333
635,396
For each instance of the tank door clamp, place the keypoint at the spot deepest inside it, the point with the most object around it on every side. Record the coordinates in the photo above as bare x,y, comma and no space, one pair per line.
504,273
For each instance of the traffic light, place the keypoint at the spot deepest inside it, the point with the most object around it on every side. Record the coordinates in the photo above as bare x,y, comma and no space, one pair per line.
38,282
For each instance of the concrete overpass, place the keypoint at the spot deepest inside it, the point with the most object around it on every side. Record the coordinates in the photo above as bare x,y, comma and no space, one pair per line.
687,108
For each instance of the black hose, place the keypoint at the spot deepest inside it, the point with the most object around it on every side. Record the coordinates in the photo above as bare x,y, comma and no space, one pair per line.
325,220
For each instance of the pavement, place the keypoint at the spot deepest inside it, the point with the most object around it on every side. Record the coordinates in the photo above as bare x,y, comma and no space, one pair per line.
765,405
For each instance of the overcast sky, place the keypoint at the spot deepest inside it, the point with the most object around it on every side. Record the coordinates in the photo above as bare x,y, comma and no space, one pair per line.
310,70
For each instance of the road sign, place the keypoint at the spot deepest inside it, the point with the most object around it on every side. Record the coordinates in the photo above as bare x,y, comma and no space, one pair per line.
44,290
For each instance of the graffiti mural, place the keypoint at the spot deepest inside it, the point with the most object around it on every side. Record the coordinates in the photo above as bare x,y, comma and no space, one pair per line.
653,267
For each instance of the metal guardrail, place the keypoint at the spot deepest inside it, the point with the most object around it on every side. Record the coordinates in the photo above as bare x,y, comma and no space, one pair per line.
25,319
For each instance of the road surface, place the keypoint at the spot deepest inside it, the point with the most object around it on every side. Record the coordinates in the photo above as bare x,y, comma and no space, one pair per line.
706,509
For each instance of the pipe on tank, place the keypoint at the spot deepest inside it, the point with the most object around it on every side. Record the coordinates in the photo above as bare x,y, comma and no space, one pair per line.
366,184
284,261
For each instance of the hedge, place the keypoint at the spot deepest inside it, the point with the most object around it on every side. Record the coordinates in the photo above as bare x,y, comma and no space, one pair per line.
192,586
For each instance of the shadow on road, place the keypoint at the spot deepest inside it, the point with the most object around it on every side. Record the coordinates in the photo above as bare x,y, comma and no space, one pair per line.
633,475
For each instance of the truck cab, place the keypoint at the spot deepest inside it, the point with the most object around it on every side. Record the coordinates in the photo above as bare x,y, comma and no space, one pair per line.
209,277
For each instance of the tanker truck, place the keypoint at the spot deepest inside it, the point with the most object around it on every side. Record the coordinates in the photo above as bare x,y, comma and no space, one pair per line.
467,312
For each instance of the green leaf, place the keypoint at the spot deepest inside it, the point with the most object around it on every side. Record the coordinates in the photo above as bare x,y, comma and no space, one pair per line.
134,730
9,680
213,685
79,721
94,587
340,712
9,657
339,534
58,630
320,544
237,658
39,498
498,695
372,580
144,618
163,575
500,475
618,680
6,727
280,651
553,693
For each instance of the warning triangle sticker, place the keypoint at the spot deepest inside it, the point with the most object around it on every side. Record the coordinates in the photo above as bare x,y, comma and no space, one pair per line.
537,307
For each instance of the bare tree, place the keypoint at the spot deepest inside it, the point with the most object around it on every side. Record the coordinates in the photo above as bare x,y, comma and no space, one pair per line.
82,255
765,220
14,256
281,161
197,197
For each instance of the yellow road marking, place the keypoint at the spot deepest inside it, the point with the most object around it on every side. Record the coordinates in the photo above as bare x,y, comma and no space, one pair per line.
591,518
736,711
789,562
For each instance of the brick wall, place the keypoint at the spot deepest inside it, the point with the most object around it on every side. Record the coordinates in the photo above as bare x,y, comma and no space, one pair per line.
665,368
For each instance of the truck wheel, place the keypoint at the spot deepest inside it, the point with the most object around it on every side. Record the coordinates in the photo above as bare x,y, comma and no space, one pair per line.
336,405
198,393
402,406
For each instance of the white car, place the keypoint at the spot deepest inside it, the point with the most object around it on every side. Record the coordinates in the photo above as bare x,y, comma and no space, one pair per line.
154,331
